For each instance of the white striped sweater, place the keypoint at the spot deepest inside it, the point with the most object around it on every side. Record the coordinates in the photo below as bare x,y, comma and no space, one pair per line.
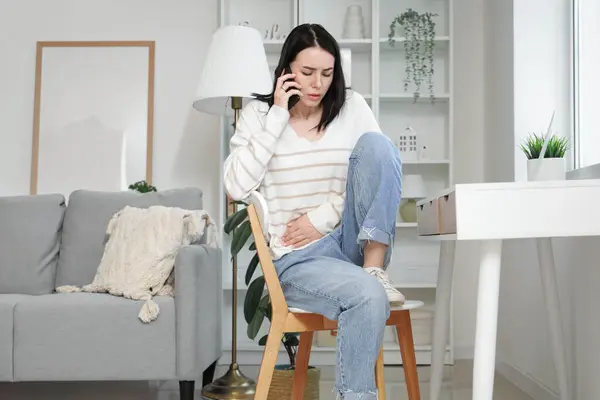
295,175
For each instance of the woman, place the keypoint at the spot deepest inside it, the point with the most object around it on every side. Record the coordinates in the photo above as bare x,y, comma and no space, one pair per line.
332,182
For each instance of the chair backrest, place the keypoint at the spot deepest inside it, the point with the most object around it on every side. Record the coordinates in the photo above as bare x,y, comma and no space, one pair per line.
278,303
262,211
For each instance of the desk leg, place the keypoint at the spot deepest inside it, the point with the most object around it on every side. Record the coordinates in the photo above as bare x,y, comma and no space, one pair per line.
550,288
441,316
487,320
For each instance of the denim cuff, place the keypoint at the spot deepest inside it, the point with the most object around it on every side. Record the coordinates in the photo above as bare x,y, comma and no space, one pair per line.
367,234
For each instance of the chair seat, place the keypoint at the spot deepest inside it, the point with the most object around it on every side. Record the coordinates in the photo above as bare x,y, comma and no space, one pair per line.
408,305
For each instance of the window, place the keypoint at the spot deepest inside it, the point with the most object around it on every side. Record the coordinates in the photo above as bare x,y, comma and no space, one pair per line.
586,82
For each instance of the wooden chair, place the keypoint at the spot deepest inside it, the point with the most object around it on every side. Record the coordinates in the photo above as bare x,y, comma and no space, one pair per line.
287,320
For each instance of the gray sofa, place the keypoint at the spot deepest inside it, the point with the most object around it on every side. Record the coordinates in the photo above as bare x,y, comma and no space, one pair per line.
47,336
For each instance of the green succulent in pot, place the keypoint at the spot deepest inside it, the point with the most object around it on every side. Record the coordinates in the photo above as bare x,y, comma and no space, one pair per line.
257,304
532,146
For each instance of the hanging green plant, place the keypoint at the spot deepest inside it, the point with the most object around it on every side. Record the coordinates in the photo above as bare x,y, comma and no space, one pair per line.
419,44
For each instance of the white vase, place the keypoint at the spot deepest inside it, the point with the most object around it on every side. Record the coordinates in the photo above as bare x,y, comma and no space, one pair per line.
546,169
354,23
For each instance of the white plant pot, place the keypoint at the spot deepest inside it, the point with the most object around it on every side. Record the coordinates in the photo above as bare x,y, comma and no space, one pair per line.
546,169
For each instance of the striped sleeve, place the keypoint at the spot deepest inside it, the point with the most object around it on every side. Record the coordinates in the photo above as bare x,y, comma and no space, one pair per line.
251,149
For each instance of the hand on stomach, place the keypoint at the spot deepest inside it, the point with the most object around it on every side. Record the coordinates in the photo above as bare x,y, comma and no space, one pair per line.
300,232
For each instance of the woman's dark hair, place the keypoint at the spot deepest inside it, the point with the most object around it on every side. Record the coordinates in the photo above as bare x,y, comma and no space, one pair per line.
302,37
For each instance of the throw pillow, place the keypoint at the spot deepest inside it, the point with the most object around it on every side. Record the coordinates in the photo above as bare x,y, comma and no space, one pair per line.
140,252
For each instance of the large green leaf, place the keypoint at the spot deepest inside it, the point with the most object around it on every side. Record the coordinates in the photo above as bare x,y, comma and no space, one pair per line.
234,220
252,300
255,324
251,268
240,237
265,307
263,340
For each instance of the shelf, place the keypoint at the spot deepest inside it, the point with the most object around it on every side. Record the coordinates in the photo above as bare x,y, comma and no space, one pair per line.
402,39
274,45
326,356
425,162
386,347
406,224
408,96
243,288
415,286
385,45
358,45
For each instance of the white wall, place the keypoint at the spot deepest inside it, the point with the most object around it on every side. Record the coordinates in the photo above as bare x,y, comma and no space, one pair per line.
527,78
185,142
541,86
589,58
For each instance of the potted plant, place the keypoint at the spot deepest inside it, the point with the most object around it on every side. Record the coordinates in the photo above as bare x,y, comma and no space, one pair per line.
552,165
419,45
257,307
142,187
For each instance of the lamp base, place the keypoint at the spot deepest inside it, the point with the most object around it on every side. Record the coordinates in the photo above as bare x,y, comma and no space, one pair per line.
234,385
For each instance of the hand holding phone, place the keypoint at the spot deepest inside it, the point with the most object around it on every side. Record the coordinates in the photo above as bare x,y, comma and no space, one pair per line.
287,91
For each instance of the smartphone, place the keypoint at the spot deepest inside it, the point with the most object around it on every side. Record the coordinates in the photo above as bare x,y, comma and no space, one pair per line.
295,98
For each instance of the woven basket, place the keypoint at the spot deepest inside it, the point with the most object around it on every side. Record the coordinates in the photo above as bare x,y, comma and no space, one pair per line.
281,384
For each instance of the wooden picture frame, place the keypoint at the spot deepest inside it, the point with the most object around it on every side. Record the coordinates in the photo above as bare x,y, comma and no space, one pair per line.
95,71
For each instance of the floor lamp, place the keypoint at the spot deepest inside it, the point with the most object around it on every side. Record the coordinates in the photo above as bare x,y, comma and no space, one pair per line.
235,67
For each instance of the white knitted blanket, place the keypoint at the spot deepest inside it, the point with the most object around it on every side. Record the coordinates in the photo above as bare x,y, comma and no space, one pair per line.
139,255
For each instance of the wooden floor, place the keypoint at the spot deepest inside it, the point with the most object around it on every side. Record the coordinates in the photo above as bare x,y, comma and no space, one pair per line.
457,386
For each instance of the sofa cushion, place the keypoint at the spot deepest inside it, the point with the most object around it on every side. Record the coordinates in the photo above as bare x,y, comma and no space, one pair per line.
85,336
86,221
7,306
29,242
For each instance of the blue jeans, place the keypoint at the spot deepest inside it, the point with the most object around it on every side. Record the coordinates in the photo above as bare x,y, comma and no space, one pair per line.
327,277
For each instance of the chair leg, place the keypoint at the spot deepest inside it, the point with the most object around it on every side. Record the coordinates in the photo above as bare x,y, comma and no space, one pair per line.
302,357
267,365
379,376
407,349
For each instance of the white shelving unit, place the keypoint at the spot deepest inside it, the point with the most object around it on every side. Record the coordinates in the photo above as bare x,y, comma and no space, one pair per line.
378,71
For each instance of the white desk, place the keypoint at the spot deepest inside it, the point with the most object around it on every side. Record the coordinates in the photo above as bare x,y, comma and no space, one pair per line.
492,212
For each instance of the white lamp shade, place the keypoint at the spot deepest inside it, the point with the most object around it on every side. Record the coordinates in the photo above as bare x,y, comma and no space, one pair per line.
235,66
413,187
